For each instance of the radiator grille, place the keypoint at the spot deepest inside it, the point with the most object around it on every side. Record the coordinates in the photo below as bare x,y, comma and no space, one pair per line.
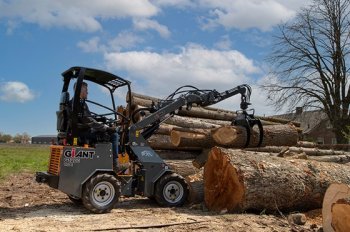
55,159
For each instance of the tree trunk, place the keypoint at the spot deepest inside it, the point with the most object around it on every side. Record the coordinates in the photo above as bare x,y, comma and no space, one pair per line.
274,135
177,154
163,142
196,187
201,159
187,122
237,180
340,159
279,120
307,151
336,215
337,147
182,167
165,129
187,139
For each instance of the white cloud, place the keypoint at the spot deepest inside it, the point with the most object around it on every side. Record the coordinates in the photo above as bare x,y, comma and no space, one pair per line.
74,14
146,24
243,14
171,3
160,73
224,43
15,91
92,45
124,40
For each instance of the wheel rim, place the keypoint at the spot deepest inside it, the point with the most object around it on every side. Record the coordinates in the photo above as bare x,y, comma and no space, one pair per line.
103,193
173,192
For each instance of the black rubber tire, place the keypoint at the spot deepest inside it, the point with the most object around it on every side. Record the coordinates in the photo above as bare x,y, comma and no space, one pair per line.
171,190
75,200
99,187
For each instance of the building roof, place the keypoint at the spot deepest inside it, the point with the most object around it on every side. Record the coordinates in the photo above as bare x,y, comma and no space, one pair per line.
45,136
308,119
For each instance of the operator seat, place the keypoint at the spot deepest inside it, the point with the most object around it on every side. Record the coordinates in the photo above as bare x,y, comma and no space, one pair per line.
63,119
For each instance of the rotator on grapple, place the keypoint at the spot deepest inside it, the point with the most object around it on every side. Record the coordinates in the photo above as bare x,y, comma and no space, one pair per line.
85,171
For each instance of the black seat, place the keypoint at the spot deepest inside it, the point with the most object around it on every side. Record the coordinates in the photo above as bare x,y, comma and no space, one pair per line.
63,118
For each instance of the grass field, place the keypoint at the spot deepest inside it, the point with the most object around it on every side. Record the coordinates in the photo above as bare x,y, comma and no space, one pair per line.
20,158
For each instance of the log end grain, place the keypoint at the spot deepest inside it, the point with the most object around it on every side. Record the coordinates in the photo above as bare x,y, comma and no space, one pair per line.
226,193
341,215
333,194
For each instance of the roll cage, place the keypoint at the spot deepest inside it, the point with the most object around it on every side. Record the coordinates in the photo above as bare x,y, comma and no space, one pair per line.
67,124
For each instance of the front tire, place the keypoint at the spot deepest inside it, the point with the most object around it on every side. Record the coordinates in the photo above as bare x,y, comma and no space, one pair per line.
171,190
101,193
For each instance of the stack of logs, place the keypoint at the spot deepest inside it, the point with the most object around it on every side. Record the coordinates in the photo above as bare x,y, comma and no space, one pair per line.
282,175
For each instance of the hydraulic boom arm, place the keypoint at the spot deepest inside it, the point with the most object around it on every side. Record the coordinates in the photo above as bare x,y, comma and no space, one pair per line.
166,108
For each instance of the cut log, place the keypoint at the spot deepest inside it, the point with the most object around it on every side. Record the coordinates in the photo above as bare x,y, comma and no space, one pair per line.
341,215
177,154
334,193
279,120
274,135
237,180
182,167
196,187
187,122
306,144
201,159
165,129
187,139
163,142
340,159
307,151
337,147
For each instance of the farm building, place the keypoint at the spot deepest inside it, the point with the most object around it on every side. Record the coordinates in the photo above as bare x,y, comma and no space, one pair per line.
44,139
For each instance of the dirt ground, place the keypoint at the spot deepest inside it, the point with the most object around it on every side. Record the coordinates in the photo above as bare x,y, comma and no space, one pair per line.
28,206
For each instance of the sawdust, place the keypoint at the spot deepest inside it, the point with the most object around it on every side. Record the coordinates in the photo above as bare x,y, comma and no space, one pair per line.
28,206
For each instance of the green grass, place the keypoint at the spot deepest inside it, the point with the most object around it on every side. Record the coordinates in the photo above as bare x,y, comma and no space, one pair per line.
22,158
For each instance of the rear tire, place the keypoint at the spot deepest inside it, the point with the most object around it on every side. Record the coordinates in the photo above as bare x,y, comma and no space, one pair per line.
171,190
101,193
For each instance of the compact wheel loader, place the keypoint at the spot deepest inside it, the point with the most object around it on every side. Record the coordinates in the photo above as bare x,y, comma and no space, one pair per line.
85,171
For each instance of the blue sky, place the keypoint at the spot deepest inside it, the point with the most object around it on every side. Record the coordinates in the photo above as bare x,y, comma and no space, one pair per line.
159,45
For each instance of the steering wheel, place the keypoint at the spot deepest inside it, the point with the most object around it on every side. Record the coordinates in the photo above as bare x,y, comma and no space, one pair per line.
103,116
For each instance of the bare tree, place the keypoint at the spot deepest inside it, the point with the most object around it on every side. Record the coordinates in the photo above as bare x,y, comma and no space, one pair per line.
310,62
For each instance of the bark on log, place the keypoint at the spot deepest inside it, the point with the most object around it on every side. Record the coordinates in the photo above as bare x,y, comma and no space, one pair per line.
201,159
307,151
306,144
274,135
196,187
177,154
182,167
187,139
279,120
163,142
337,147
237,180
187,122
340,159
165,129
334,193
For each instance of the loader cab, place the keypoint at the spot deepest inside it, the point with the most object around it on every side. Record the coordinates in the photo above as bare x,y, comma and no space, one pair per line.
70,105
